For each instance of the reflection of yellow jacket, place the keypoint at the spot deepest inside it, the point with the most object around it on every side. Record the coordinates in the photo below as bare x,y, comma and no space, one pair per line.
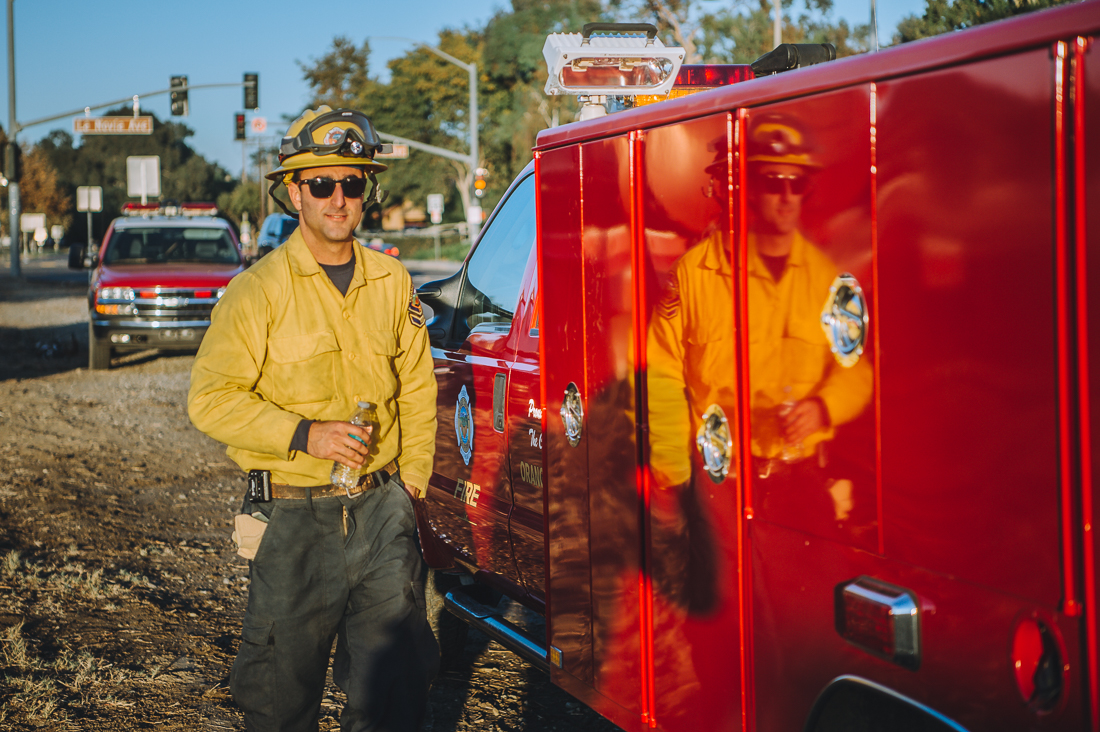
284,345
691,345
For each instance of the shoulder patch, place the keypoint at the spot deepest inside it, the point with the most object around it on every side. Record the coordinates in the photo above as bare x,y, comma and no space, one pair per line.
669,304
416,310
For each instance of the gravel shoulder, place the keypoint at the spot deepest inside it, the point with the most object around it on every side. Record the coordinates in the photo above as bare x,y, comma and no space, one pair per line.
120,592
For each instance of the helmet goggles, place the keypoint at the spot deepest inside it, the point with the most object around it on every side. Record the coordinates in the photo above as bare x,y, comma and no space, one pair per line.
325,135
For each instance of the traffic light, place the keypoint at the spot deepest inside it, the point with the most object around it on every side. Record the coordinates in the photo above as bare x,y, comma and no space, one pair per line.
238,120
178,84
251,91
479,182
13,162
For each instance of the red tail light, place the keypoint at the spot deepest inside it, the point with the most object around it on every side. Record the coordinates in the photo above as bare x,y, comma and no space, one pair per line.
204,293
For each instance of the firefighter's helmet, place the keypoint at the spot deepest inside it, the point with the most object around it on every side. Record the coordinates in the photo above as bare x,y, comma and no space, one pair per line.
778,139
324,137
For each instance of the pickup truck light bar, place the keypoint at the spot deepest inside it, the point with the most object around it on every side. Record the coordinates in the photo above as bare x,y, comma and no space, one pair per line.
158,209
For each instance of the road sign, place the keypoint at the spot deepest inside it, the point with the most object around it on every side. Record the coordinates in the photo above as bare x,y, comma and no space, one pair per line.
143,176
113,125
399,151
435,207
259,124
31,222
89,198
474,215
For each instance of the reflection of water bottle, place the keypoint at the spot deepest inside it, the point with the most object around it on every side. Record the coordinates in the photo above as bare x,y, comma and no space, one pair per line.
342,475
792,451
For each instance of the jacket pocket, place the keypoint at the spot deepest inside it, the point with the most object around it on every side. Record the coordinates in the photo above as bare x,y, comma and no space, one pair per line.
303,368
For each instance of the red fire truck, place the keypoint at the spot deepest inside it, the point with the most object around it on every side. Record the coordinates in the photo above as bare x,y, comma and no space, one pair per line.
774,399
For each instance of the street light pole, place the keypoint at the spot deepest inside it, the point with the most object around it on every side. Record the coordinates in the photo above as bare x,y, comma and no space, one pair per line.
13,186
473,160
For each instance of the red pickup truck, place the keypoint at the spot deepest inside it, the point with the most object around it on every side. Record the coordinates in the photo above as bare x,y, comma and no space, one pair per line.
156,277
774,399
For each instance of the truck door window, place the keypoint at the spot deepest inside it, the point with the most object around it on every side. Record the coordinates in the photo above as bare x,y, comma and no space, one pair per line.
495,272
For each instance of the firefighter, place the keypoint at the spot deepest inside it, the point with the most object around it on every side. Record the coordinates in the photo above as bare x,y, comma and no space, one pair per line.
799,393
296,342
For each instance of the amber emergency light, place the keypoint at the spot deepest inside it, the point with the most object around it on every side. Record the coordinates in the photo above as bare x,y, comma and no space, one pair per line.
609,59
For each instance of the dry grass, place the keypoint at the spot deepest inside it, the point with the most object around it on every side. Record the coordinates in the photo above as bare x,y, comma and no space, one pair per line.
37,688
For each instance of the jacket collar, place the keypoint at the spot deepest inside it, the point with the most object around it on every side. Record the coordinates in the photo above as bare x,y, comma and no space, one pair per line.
797,257
303,263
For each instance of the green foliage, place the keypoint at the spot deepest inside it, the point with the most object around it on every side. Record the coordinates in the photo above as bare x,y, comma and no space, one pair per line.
941,16
426,98
100,160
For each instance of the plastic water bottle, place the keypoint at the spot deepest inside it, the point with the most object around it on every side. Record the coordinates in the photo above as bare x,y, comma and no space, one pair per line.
343,476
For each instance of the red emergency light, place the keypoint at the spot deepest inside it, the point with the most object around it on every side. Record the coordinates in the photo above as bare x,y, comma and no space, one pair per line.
699,77
140,209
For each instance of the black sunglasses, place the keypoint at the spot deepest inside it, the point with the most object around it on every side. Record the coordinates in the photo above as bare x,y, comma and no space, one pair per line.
353,186
777,184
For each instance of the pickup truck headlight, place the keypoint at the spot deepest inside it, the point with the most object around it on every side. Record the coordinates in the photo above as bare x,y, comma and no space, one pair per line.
114,293
114,301
221,291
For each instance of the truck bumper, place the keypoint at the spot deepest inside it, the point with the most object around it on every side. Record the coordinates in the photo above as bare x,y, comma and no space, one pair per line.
141,334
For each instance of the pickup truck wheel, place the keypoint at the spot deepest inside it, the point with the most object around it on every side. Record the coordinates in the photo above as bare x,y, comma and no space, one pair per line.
99,351
449,630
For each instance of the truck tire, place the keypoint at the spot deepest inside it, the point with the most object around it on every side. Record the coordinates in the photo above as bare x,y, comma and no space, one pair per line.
449,630
99,351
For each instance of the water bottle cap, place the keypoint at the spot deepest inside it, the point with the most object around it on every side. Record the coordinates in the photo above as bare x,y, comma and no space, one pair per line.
366,405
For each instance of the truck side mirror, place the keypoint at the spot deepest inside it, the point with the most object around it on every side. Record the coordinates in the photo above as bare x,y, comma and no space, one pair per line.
76,256
441,296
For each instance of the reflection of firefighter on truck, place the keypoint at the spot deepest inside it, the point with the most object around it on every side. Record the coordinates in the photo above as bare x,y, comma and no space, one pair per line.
800,393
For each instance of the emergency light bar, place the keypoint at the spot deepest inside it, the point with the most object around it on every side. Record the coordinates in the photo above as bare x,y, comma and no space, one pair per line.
621,63
157,209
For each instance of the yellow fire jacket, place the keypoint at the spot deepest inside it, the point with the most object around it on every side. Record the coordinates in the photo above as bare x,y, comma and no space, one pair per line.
690,348
284,345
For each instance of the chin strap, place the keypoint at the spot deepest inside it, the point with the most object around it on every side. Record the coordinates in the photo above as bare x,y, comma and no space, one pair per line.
271,192
376,195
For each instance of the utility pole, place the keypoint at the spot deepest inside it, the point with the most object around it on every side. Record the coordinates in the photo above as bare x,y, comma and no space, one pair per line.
14,208
777,24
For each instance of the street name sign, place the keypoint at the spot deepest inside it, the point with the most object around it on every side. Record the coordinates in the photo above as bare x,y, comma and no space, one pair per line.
113,125
399,152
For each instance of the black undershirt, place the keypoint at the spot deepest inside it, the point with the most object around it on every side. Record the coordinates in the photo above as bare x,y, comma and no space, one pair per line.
341,276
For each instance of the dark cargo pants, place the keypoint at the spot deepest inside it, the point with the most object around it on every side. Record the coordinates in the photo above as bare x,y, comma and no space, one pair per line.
311,583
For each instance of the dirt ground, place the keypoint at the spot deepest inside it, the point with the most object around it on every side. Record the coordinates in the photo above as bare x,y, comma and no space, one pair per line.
120,592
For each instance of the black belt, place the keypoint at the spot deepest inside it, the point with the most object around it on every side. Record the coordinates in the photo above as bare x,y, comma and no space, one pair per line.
366,482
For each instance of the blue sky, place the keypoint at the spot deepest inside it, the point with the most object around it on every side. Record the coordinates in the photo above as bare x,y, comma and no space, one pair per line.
71,54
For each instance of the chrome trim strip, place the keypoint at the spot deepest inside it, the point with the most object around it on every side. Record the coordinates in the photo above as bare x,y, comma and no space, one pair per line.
153,325
490,622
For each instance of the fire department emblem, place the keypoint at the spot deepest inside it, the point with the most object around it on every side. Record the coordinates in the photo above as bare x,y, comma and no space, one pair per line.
332,136
844,320
572,414
464,426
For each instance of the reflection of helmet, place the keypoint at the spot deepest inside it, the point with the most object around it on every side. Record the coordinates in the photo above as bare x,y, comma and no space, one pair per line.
776,139
321,137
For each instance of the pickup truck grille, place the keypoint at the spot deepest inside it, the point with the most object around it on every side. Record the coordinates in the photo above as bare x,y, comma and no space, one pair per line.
187,304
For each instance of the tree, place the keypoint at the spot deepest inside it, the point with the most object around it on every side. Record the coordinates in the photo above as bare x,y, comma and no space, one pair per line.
941,16
100,160
744,34
41,192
